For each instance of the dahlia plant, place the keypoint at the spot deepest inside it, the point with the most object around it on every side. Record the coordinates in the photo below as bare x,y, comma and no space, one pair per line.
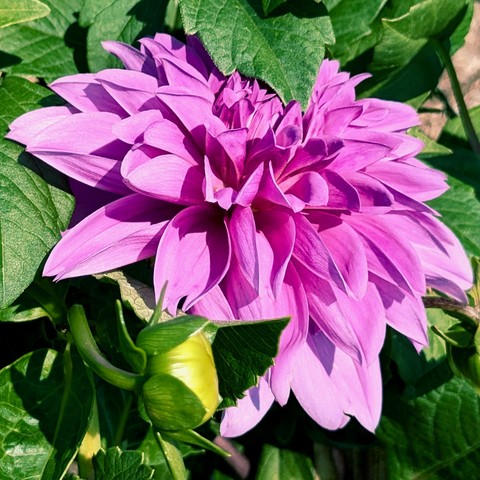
253,210
243,206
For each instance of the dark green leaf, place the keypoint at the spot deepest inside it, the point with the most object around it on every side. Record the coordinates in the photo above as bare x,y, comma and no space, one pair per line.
121,20
243,353
435,436
454,131
460,211
173,457
113,464
356,25
283,464
21,11
270,5
403,50
284,50
45,407
32,211
23,310
43,47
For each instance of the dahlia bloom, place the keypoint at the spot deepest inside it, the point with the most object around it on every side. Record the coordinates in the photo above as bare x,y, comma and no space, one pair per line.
255,210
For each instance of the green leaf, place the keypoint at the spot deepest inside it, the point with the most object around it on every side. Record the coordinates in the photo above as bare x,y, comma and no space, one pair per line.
21,11
270,5
408,25
32,211
173,457
121,20
113,464
356,25
454,131
23,310
44,47
283,464
435,436
243,353
45,407
431,148
460,211
284,50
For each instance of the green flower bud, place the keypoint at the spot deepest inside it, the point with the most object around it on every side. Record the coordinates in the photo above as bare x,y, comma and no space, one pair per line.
182,388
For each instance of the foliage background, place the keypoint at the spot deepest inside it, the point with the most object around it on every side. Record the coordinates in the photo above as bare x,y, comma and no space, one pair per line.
430,428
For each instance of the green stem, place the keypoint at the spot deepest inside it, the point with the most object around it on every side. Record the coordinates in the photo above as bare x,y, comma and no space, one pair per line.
123,420
457,92
450,305
92,356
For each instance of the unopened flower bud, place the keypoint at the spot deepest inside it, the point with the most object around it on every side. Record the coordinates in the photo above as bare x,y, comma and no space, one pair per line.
182,388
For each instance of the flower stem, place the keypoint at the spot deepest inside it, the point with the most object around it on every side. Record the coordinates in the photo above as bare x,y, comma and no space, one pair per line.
92,356
450,305
457,92
123,420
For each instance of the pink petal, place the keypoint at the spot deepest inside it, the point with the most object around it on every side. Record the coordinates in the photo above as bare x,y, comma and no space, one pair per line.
134,91
326,406
405,313
30,124
383,115
83,147
309,187
131,57
168,137
361,386
279,230
165,46
388,252
192,111
310,250
242,229
85,93
213,306
131,129
181,74
122,232
168,178
348,254
325,311
411,178
193,256
248,412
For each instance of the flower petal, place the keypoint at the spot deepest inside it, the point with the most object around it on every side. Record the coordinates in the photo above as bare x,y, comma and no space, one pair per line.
327,406
168,178
122,232
248,411
30,124
85,93
193,256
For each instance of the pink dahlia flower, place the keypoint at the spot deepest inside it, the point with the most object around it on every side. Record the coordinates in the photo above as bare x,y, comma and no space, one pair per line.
255,210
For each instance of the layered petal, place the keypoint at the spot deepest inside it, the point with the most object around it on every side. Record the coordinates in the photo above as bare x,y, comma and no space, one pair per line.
192,257
122,232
